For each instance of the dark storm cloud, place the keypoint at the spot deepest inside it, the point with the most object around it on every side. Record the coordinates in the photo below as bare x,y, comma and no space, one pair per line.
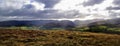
45,14
48,3
92,2
24,9
5,11
114,14
116,2
30,13
113,8
28,6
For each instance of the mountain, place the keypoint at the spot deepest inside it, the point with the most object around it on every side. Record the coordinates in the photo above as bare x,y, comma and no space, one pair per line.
110,22
61,24
39,23
24,23
85,22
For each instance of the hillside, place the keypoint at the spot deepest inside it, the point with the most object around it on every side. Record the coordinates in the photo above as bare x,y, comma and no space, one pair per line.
110,22
31,22
56,38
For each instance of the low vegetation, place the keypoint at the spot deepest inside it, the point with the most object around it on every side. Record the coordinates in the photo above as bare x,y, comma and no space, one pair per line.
98,29
17,37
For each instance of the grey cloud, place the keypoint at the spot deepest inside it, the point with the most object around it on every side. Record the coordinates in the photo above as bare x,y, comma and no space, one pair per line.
113,8
92,2
28,11
11,4
114,14
28,6
116,2
45,14
48,3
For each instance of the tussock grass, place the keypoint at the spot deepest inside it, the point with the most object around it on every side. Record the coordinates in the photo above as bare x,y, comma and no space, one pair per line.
9,37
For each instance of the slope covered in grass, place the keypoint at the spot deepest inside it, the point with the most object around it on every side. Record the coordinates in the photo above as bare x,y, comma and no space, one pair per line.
56,38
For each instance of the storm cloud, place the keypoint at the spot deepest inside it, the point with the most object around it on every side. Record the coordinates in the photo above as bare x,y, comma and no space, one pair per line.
116,2
58,9
49,3
92,2
113,8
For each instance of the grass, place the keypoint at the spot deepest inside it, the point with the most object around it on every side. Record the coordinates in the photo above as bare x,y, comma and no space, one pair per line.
10,37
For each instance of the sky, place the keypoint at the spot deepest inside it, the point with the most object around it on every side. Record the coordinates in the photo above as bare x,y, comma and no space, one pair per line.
59,9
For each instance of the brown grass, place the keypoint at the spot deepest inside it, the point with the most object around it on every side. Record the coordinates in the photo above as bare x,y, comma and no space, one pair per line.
56,38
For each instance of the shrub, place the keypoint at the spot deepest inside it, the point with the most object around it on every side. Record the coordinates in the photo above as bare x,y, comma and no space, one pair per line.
98,28
114,29
80,29
24,28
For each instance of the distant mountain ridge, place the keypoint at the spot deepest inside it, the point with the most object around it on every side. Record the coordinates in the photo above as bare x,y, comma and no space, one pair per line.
111,22
60,24
39,23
